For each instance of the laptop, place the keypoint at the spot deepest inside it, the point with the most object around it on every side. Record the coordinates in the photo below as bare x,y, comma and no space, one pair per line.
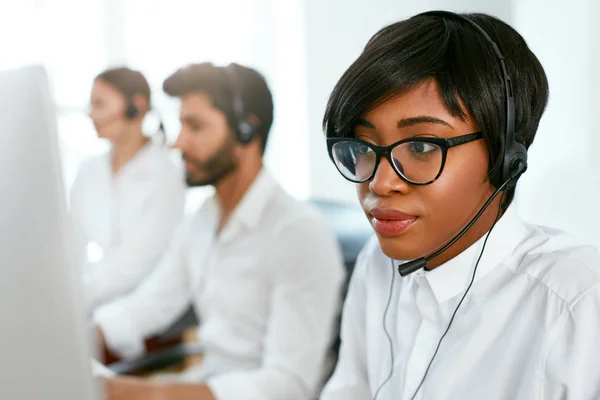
44,344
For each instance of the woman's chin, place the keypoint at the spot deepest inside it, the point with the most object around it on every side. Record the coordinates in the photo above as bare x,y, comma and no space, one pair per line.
400,249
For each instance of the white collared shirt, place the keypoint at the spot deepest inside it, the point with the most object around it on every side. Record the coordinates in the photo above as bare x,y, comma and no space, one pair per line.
529,328
128,219
267,291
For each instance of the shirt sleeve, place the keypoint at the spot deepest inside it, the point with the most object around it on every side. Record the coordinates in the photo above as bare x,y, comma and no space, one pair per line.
308,275
152,307
572,367
349,380
142,242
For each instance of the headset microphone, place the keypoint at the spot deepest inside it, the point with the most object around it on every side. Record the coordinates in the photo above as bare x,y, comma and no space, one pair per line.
415,265
514,154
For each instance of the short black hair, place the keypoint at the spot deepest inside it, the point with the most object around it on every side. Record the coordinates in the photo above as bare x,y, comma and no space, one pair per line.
452,52
214,82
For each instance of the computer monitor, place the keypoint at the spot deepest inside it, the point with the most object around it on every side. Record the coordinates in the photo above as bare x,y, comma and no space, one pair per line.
44,348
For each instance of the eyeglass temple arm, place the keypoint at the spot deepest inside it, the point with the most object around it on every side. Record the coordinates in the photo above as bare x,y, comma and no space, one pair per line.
457,141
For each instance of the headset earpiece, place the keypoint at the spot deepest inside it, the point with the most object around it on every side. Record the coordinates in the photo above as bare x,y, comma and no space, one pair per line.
514,154
245,132
514,161
131,112
244,129
517,166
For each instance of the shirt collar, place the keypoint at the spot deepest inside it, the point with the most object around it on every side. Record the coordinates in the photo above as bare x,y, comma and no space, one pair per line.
453,277
252,206
143,160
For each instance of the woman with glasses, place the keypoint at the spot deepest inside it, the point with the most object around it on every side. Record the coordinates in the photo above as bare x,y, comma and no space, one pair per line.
455,297
125,204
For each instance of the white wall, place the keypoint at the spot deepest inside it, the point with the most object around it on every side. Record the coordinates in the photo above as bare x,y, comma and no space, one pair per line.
562,186
287,153
594,78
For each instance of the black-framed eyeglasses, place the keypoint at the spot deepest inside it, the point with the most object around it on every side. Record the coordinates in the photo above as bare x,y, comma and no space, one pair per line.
419,160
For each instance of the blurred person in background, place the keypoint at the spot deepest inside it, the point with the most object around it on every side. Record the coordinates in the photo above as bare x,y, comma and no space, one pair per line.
125,204
262,270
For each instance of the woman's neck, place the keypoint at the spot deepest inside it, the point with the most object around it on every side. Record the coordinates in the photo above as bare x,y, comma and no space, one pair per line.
123,152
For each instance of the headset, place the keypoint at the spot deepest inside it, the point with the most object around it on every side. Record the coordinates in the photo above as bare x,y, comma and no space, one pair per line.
245,130
131,112
514,154
514,164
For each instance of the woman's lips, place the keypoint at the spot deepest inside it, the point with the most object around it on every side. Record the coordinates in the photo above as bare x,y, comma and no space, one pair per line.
391,222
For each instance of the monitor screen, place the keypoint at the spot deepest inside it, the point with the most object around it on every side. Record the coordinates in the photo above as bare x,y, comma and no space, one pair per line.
43,340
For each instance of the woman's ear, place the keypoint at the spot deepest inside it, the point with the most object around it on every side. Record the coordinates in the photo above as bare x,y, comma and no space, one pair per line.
141,103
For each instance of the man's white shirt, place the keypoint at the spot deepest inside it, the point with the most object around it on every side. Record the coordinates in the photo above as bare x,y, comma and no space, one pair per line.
266,289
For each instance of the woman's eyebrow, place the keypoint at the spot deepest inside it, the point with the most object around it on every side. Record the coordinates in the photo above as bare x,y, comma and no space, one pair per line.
406,122
422,119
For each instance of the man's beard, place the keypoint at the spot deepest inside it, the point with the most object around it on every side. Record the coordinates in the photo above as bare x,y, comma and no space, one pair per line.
217,167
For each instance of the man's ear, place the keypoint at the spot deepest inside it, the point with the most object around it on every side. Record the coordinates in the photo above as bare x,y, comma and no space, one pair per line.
253,120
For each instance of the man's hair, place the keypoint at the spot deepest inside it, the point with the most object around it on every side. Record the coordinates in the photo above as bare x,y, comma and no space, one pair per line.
410,52
127,81
213,81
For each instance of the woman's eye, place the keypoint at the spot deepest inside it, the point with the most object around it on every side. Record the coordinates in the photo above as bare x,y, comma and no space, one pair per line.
363,149
422,147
